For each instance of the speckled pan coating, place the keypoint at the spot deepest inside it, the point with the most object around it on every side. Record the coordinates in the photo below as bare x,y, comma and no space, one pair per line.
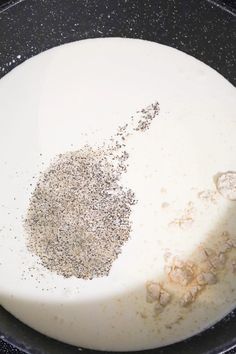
200,28
206,29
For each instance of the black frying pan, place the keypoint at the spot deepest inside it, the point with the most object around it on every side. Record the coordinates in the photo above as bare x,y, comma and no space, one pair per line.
205,29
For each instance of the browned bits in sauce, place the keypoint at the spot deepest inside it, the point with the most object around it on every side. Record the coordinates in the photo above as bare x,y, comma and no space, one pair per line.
157,295
191,278
226,185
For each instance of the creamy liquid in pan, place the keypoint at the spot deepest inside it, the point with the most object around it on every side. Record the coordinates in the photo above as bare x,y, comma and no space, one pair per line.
80,93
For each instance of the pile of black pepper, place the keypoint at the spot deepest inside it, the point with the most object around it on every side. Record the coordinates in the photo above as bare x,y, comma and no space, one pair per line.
78,217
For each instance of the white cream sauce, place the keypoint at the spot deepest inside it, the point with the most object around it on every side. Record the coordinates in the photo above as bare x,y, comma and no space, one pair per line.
80,93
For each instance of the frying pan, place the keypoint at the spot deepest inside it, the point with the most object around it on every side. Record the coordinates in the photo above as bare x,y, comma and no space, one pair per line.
205,29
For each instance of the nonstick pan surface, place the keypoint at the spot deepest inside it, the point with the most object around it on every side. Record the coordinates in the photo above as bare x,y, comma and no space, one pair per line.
203,29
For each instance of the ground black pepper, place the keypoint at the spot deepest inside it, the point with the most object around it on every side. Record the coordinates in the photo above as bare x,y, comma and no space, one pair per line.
78,217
